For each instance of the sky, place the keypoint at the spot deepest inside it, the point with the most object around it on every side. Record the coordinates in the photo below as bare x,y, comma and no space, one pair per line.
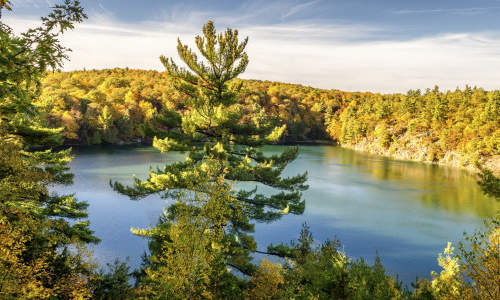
353,45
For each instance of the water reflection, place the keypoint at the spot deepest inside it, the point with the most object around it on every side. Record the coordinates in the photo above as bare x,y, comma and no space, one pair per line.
445,188
407,211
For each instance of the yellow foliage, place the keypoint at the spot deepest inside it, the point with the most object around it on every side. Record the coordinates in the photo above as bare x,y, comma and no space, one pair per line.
266,282
447,284
19,279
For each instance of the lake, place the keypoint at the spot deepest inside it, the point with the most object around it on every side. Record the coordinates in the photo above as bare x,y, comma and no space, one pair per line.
404,211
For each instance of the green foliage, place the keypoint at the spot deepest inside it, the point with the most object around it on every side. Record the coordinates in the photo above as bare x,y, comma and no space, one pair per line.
38,227
446,284
325,272
112,284
489,183
220,122
190,248
22,134
24,60
267,282
480,260
222,137
48,273
457,127
382,135
109,106
130,108
471,273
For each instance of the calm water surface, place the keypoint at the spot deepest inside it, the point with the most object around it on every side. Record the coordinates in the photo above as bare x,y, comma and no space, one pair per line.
405,211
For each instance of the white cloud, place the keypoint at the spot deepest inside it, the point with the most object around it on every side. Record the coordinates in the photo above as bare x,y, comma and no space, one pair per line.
341,57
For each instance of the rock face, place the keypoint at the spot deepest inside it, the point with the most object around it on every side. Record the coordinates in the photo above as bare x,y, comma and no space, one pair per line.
413,148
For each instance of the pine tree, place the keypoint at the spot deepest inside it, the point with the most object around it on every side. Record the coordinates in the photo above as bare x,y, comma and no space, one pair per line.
25,60
222,136
28,165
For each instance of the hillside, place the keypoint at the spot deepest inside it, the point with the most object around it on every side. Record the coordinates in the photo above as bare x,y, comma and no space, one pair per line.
455,128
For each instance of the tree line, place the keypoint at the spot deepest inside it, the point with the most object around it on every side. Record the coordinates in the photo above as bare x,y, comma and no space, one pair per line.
459,128
202,245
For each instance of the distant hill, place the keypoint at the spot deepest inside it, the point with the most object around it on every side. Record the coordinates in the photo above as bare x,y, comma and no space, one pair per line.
455,128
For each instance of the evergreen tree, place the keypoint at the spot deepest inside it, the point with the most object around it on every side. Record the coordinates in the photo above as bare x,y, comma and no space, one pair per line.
25,60
28,166
222,137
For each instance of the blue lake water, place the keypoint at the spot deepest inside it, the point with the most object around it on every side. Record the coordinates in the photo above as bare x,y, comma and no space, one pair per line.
405,211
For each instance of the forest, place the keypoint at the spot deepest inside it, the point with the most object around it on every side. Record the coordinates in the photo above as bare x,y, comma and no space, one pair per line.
202,246
458,128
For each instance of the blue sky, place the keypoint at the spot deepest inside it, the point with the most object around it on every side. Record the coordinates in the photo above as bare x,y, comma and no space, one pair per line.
384,46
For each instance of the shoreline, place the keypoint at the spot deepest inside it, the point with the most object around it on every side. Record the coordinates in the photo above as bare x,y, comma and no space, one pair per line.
450,160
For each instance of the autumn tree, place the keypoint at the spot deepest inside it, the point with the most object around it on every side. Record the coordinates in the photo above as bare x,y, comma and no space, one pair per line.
480,259
189,247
